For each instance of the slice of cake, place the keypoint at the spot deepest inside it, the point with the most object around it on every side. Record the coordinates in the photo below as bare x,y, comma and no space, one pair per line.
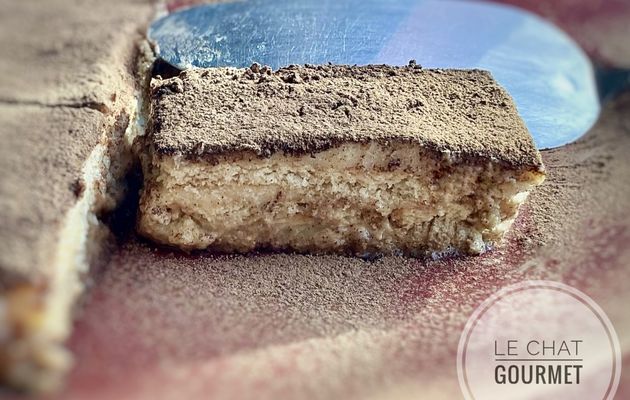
355,160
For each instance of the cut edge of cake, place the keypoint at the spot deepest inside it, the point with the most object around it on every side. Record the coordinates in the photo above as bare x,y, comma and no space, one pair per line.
37,310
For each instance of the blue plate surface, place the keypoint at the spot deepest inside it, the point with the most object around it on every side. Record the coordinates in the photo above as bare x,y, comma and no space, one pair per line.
547,74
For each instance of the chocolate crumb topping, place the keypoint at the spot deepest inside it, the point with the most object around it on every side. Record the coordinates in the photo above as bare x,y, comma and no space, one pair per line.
307,109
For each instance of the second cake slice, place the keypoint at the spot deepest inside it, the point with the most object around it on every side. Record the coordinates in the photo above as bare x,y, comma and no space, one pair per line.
357,160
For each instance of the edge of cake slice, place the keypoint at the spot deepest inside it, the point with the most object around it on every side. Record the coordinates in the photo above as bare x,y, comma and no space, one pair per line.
63,172
361,160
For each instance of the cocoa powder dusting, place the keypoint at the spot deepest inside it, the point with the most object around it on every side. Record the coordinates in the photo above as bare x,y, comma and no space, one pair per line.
305,109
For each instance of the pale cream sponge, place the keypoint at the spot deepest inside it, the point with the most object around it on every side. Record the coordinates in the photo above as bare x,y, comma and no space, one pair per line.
358,198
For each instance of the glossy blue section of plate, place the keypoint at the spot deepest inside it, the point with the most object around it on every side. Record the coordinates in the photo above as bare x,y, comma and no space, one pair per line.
547,74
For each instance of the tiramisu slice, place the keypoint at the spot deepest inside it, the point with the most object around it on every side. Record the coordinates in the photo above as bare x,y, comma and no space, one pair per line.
356,160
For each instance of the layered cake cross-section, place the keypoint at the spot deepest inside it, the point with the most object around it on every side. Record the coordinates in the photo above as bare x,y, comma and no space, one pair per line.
360,160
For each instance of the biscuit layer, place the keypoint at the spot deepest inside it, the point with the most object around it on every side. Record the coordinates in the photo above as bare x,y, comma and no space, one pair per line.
360,199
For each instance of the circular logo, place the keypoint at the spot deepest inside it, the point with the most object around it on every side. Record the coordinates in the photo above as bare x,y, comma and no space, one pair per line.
539,340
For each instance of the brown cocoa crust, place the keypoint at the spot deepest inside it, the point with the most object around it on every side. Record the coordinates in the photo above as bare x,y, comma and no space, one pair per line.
306,109
53,114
